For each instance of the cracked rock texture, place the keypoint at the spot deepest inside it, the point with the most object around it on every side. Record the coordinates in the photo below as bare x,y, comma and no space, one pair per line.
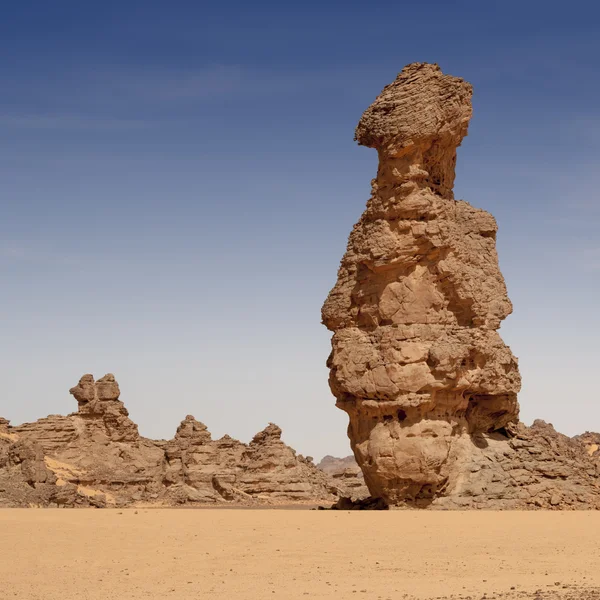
417,363
96,457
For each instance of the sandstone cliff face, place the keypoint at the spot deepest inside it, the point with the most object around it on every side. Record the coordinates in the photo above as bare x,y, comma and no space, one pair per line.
416,360
97,457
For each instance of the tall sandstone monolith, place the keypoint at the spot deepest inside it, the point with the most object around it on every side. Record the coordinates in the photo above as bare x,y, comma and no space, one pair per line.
417,362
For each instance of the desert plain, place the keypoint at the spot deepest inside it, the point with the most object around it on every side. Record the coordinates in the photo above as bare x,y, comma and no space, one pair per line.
253,554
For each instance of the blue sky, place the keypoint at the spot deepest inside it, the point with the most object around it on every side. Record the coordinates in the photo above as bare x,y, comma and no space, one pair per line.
178,181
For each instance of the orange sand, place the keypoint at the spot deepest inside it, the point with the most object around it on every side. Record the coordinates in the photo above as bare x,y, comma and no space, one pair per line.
291,554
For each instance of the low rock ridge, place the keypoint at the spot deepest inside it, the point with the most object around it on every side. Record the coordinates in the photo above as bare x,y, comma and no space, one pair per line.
96,457
523,468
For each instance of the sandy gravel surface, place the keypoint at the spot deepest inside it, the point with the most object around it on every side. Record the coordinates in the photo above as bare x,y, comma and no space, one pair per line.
297,554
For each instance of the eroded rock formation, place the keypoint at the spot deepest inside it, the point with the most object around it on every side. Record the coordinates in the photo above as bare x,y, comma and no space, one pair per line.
97,457
347,475
200,469
417,362
99,404
75,461
591,441
271,467
532,467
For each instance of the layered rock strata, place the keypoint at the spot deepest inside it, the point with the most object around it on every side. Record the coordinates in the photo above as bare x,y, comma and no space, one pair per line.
416,359
271,468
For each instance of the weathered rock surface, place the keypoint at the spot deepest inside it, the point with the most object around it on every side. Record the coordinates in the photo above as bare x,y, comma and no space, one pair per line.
591,441
270,468
23,472
200,469
429,386
416,361
97,457
535,467
99,404
347,476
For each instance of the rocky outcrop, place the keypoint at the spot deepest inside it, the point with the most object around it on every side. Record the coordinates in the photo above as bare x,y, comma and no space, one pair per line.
96,457
333,464
531,468
416,360
270,468
200,469
29,457
534,467
99,404
52,432
23,472
591,442
347,476
101,415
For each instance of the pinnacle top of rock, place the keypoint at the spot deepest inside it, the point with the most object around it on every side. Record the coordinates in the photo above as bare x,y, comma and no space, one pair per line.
99,401
191,428
420,118
270,432
87,390
421,104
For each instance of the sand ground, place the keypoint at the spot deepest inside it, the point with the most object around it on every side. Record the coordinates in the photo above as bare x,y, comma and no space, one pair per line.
296,554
